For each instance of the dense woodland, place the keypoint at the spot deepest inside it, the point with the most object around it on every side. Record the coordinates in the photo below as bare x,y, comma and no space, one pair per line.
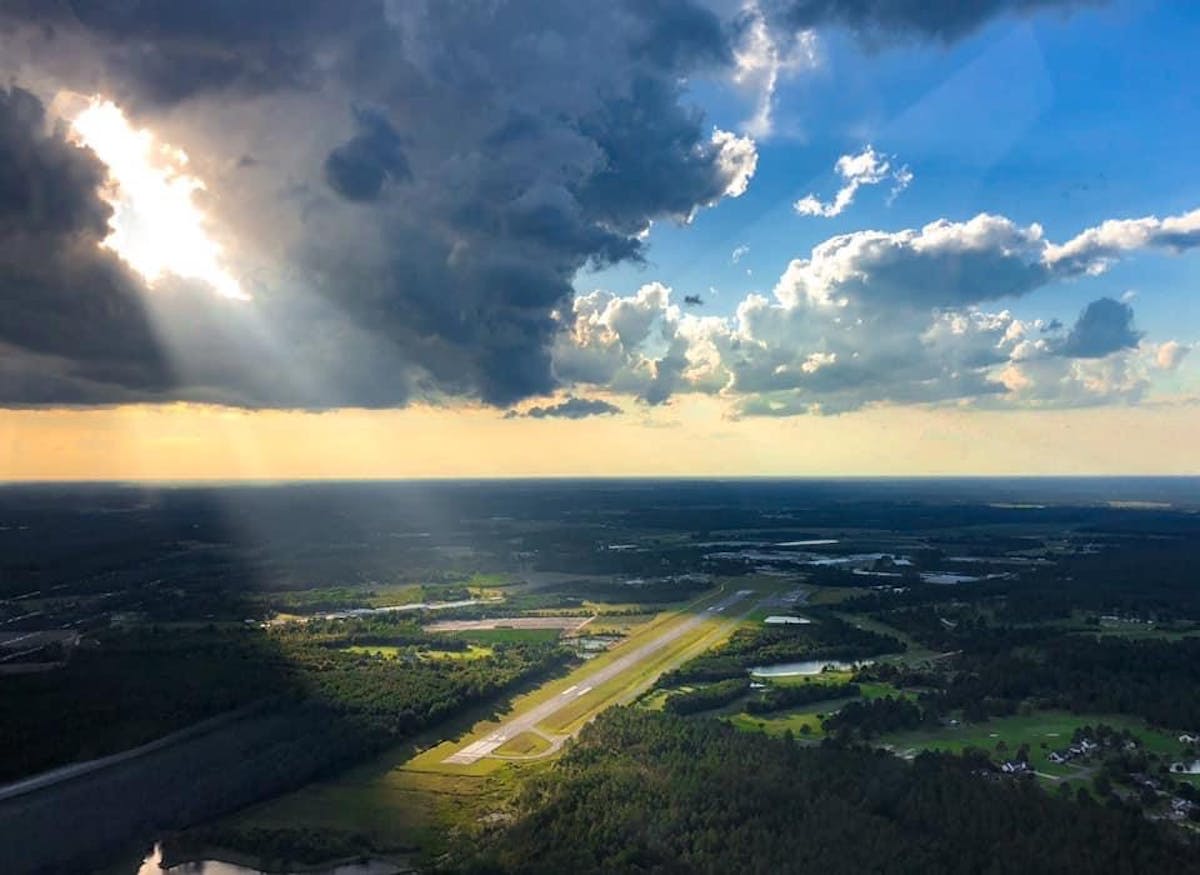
643,792
137,685
164,586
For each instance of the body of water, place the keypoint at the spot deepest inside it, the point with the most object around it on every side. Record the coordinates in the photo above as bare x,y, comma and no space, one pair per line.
805,667
152,865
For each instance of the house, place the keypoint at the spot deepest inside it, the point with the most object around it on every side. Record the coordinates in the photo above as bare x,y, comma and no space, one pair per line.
1058,758
1015,767
1188,738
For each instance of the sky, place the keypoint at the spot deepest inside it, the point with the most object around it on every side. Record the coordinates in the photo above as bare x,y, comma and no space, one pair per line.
277,239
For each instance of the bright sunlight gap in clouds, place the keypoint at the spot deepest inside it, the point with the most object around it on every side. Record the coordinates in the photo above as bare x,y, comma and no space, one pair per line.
157,227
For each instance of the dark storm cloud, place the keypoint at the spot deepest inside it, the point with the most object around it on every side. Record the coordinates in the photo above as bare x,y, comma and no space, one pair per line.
161,53
71,316
1105,326
680,33
358,169
571,408
885,20
530,141
47,185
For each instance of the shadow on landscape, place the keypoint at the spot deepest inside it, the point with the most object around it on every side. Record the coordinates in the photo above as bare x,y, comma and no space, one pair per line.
166,588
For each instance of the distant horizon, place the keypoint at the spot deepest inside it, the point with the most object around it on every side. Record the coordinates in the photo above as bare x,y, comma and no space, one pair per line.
855,239
595,478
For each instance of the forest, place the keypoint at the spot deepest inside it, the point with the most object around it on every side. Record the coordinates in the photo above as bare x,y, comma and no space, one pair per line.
646,792
139,684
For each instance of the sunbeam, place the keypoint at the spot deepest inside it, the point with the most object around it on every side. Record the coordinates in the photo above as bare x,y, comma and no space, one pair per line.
156,227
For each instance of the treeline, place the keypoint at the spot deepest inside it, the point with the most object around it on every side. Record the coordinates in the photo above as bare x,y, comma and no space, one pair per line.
141,684
706,698
781,698
870,719
1156,679
645,792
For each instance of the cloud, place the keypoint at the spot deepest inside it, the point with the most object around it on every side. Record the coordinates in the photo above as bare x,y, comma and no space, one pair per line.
764,57
866,168
571,408
906,317
1170,355
358,169
776,39
739,252
1105,326
72,320
1094,250
881,21
428,179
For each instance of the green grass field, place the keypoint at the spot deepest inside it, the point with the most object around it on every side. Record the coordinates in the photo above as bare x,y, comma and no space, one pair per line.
809,715
1053,729
526,744
473,651
504,636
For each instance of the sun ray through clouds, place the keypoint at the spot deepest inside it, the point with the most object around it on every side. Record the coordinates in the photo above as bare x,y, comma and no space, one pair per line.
157,226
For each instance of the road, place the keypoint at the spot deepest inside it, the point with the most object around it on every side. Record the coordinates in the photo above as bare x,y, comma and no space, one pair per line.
77,770
527,721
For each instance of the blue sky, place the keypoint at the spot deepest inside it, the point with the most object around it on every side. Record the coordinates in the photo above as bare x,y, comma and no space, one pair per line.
391,208
1061,120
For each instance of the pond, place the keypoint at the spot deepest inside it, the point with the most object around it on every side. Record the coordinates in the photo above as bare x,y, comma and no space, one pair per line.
806,667
947,577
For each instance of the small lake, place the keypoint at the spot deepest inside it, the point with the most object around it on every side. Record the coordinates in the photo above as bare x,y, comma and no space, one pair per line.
947,577
152,865
806,667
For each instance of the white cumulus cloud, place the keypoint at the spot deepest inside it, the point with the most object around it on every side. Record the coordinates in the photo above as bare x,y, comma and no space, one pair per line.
868,167
1169,355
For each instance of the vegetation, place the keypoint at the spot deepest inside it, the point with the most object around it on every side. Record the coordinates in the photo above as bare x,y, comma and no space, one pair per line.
874,717
707,698
142,683
830,637
780,698
637,794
